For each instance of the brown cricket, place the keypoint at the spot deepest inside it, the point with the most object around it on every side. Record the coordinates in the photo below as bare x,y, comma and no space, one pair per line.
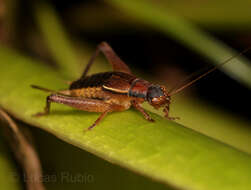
114,91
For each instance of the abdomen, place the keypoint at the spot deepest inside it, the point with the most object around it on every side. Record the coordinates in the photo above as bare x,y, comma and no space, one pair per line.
90,92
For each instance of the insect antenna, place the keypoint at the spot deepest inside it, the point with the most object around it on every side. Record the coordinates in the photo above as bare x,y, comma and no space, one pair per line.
176,89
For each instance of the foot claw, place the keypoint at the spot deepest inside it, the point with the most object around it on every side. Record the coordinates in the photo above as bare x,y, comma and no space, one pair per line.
172,118
150,119
89,128
39,114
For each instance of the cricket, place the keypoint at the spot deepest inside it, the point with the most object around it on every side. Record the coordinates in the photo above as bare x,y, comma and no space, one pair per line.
117,90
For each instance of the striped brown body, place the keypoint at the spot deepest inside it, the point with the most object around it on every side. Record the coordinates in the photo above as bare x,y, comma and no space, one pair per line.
104,84
111,87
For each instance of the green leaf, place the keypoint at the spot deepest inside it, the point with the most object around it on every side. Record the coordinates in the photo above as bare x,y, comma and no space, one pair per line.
217,123
164,150
163,19
92,173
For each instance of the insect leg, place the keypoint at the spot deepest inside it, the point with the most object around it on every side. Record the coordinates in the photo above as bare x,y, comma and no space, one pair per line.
99,119
46,109
166,111
114,60
139,108
91,105
112,107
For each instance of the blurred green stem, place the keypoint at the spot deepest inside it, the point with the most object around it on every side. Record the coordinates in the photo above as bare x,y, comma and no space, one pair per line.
58,42
188,34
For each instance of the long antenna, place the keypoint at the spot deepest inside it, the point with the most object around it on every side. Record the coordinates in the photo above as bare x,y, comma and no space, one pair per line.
173,91
188,78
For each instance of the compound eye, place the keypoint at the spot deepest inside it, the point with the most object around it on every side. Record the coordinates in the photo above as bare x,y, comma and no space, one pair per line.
154,92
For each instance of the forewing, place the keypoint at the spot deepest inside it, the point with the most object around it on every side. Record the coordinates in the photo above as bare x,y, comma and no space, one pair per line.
119,83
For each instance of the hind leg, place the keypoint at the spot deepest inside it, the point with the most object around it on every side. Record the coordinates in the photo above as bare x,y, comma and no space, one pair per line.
91,105
113,59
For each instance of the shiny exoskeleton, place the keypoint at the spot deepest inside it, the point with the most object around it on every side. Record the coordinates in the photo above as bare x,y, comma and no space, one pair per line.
109,91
